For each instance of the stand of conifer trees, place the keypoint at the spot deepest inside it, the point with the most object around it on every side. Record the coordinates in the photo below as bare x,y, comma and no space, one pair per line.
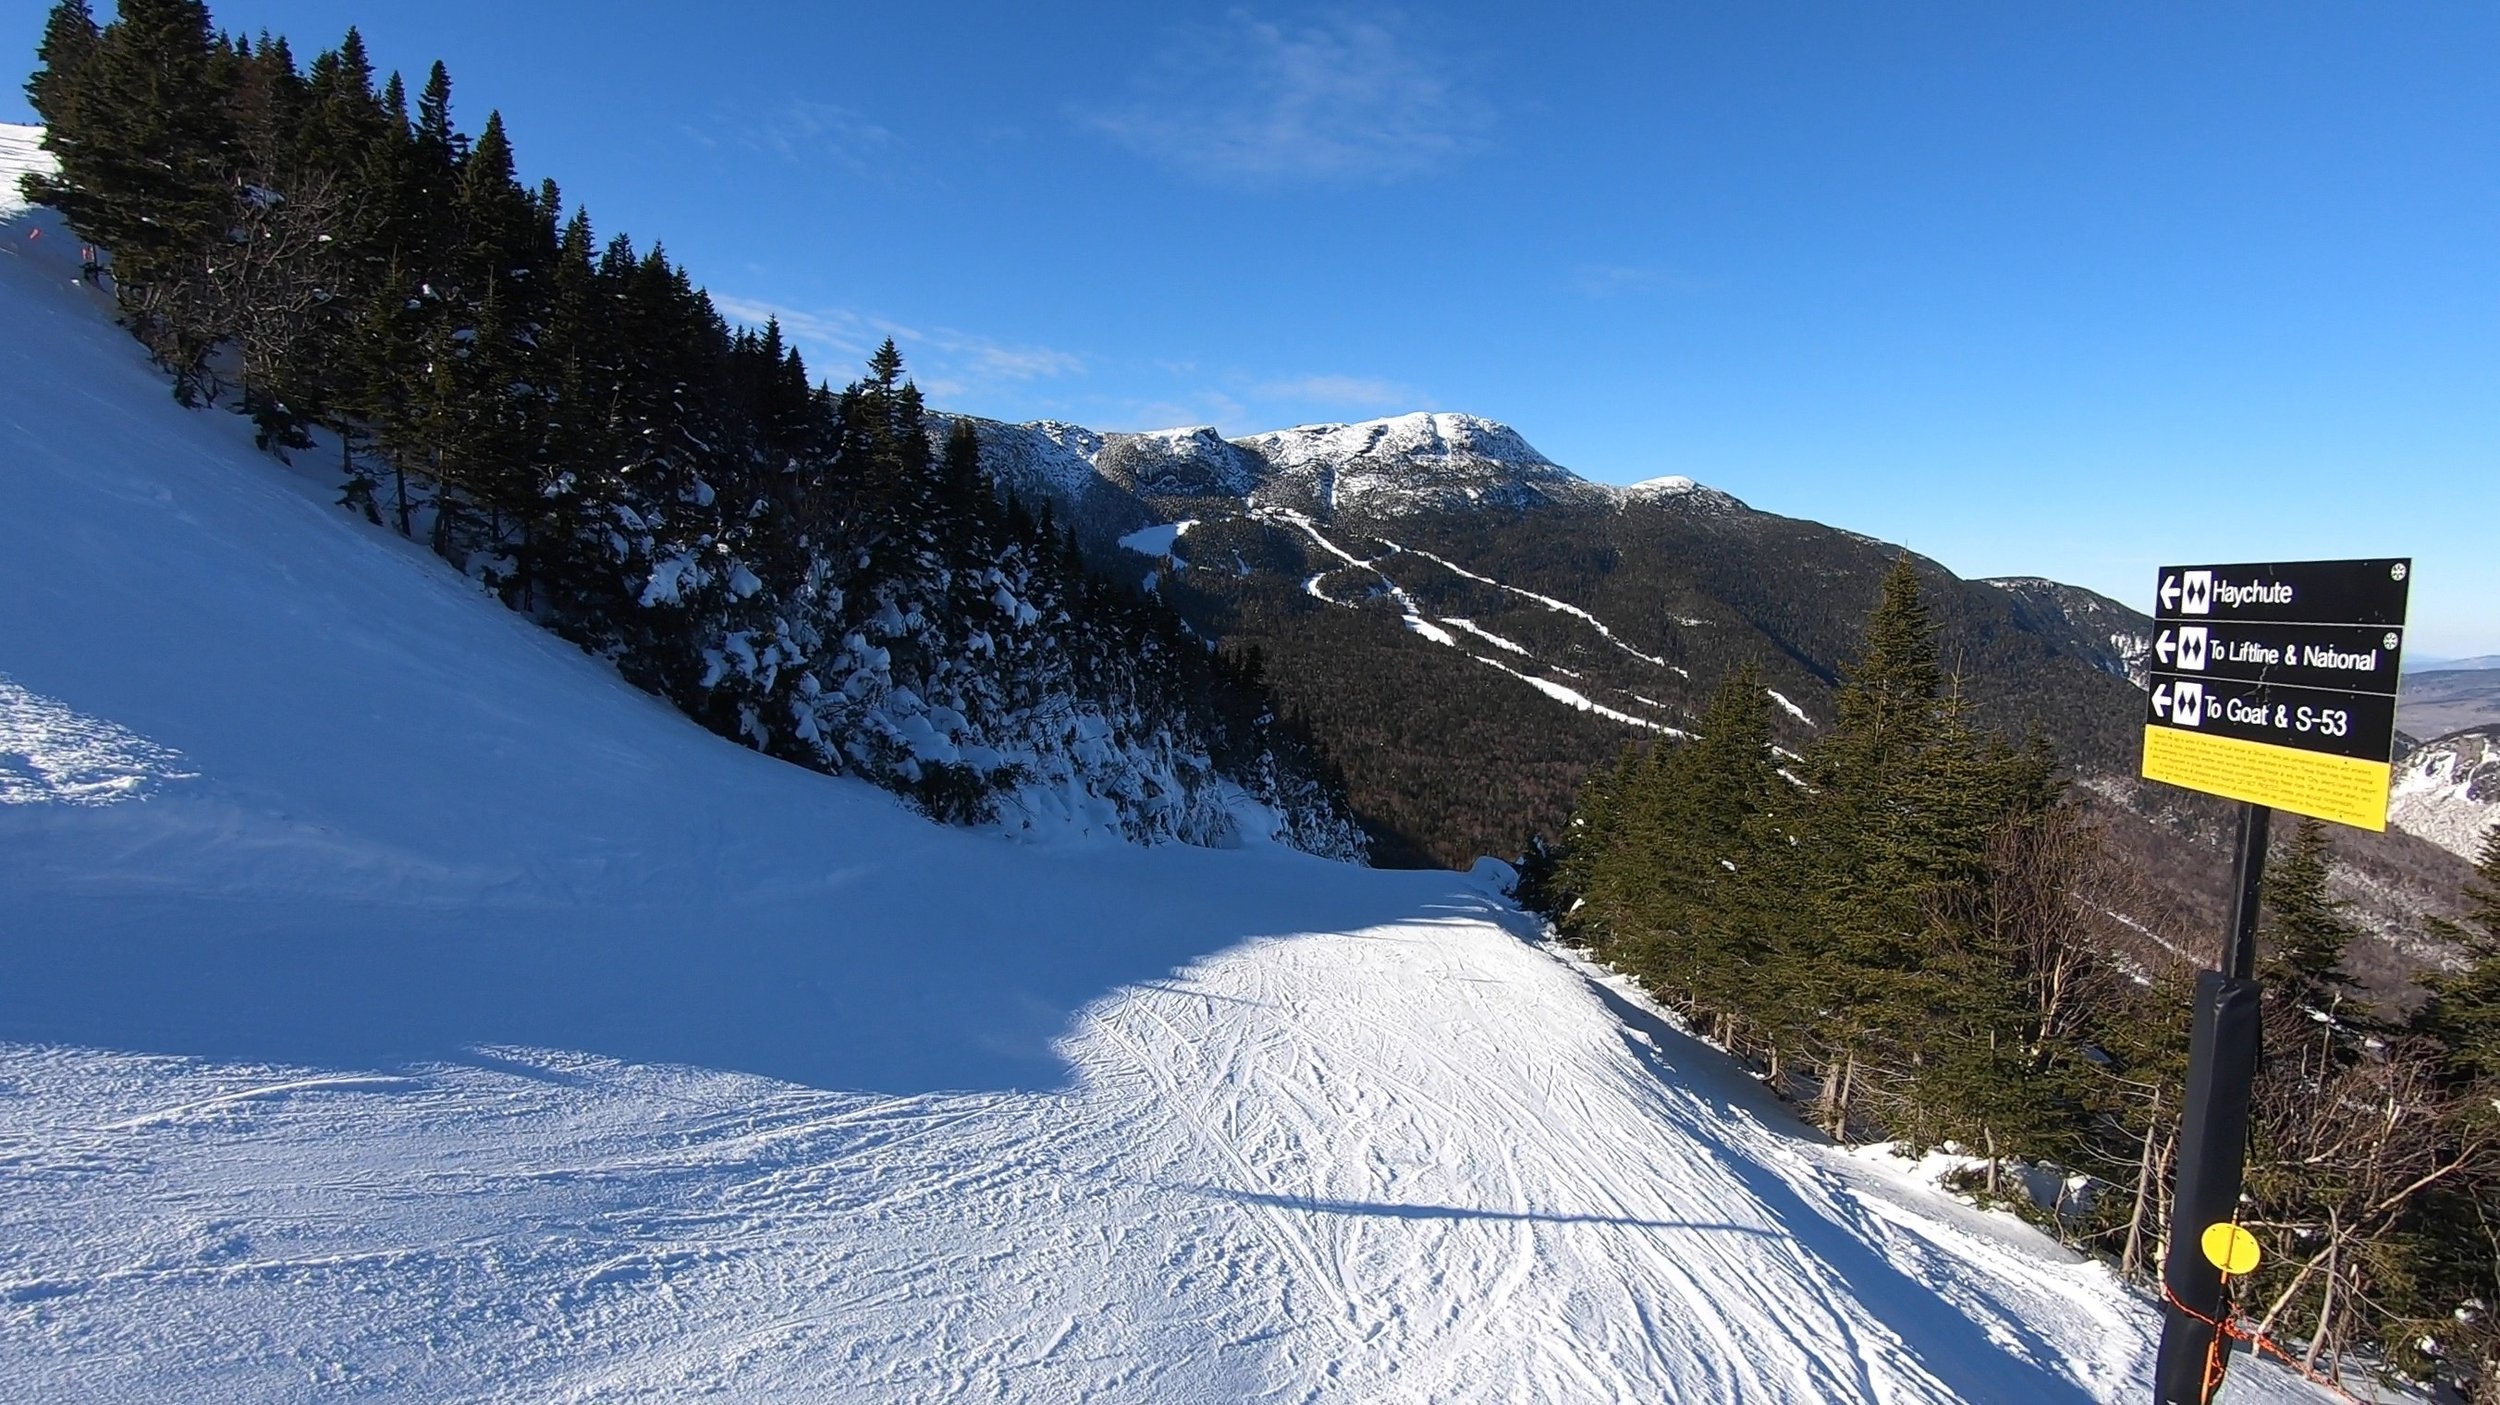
1908,928
571,423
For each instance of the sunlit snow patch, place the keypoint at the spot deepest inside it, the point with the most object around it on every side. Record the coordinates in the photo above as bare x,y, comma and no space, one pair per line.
1793,710
1561,694
1157,541
1486,635
1429,630
21,153
51,754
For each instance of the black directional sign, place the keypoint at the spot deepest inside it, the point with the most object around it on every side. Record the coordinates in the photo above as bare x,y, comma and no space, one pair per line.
2359,657
2358,725
2275,683
2296,592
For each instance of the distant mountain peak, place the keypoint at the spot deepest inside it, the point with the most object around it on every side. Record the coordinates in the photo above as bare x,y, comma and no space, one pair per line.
1422,434
1679,489
1424,460
1421,461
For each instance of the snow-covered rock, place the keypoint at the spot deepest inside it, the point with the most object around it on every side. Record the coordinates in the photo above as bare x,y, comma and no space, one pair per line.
1180,463
1040,458
1407,462
1678,490
2448,790
1378,467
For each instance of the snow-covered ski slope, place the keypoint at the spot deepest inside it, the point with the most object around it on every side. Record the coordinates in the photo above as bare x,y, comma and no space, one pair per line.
393,1005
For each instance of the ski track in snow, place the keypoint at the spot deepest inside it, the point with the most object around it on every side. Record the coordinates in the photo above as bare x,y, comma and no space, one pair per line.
483,1030
1418,1162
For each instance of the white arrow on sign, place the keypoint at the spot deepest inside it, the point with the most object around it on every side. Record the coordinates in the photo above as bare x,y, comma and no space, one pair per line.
2161,700
2169,591
2162,646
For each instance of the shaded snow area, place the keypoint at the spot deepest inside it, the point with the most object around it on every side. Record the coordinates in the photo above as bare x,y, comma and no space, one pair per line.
436,1018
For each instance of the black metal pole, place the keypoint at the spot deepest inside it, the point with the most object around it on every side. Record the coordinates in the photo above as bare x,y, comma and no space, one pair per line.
2248,873
2213,1135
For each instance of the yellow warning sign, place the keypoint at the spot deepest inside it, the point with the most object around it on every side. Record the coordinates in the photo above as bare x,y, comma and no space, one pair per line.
2230,1248
2338,788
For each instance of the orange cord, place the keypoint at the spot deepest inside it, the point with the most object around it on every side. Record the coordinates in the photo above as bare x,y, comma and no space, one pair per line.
2227,1329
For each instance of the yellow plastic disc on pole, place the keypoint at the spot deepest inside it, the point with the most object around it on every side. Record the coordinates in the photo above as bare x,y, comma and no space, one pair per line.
2231,1249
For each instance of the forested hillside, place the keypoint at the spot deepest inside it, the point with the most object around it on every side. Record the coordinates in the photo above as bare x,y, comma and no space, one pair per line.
1471,629
567,420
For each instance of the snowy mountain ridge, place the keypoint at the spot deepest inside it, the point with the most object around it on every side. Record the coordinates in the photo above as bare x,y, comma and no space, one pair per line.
2117,639
1421,461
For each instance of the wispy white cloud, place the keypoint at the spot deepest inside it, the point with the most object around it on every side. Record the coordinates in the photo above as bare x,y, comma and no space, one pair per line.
1342,100
807,131
961,370
1339,392
945,361
1197,407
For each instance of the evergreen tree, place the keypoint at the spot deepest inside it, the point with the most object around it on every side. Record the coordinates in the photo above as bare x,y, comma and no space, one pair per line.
2463,1014
2304,933
1679,880
69,41
146,169
342,120
1888,709
1868,857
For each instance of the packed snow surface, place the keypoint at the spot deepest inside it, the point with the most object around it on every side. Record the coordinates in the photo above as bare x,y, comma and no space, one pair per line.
394,1004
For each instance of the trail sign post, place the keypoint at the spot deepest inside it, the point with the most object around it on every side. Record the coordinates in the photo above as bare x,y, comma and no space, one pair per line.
2276,684
2273,685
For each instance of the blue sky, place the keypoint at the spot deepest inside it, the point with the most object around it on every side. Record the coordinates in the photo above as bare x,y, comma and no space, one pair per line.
2059,289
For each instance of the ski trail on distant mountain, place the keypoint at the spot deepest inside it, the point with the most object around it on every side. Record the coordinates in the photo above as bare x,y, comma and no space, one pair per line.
1499,642
1561,694
1549,602
1793,710
1416,620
